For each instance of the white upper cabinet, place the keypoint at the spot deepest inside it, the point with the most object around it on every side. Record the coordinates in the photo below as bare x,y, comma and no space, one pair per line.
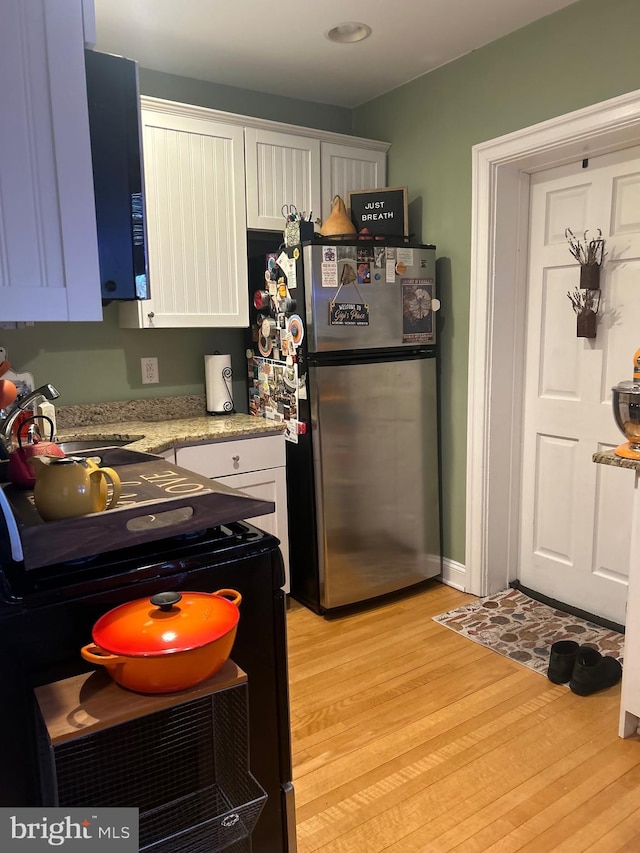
286,168
209,176
196,222
282,168
49,266
349,167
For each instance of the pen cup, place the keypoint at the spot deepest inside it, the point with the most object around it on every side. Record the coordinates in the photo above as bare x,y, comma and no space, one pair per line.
298,231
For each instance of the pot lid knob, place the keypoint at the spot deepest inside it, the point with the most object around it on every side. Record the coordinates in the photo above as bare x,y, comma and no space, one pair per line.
165,600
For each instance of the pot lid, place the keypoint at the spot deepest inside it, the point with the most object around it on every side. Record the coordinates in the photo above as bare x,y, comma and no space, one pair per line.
627,386
167,623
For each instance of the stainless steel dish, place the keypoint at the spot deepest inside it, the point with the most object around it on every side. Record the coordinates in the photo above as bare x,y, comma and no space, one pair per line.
626,412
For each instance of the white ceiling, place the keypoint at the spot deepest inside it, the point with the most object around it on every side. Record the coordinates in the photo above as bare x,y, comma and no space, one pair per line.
280,47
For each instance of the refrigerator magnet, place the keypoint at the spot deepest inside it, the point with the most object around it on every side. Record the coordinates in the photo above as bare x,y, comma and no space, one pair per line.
364,274
295,329
291,431
348,314
329,274
268,327
347,253
405,255
265,345
292,280
288,305
262,300
290,378
417,313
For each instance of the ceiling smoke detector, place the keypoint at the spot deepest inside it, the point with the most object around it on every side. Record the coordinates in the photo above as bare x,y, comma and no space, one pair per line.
349,33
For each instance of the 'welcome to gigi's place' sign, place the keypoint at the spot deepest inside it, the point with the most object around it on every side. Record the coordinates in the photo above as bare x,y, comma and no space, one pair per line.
381,211
348,314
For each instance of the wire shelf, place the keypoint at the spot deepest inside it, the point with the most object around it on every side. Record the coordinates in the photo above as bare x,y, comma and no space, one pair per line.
185,767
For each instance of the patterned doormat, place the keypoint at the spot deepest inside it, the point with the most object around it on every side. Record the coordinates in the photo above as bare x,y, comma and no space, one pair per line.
523,629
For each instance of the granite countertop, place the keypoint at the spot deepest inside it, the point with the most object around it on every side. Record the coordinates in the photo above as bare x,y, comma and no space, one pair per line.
153,426
608,457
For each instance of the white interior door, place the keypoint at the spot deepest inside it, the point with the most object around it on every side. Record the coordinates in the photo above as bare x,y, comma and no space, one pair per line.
576,515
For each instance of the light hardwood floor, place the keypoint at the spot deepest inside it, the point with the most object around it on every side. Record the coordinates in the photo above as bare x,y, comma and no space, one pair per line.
409,738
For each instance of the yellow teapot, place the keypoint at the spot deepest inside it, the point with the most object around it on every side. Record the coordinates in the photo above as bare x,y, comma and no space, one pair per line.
72,486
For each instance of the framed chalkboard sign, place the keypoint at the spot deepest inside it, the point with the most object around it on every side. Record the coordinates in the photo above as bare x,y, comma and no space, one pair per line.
380,211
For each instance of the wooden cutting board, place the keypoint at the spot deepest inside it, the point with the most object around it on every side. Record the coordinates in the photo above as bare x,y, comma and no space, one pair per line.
158,499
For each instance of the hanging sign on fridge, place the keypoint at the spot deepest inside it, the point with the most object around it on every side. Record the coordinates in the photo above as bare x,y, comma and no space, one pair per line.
417,311
348,313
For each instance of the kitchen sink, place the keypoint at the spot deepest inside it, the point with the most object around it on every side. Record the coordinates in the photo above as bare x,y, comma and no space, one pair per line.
73,446
99,445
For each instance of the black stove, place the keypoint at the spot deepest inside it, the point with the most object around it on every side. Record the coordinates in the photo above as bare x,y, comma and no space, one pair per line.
47,614
175,553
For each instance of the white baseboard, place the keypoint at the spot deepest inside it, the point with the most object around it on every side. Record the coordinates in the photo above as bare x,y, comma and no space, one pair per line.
454,574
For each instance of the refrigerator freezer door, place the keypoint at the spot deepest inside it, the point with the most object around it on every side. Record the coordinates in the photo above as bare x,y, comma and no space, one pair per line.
397,295
376,471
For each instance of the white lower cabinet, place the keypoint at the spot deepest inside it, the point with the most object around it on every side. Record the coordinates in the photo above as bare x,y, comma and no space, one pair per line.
630,691
255,466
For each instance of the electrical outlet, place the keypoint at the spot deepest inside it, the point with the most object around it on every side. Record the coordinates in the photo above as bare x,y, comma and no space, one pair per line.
149,370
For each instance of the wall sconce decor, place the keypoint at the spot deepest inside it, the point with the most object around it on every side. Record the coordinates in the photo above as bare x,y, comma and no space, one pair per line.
586,298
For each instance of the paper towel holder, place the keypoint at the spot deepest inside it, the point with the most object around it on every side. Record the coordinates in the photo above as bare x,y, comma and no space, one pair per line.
218,387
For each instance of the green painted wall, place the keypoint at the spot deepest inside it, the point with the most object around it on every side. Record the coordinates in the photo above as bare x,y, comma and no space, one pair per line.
100,362
233,100
584,54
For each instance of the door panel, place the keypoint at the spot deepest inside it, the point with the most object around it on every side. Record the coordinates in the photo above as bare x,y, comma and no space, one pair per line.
576,515
554,476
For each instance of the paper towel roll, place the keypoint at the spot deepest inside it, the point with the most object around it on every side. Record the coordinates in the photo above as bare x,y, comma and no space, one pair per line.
218,374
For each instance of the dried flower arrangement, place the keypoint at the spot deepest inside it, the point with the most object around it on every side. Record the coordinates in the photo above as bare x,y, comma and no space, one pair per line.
586,252
585,300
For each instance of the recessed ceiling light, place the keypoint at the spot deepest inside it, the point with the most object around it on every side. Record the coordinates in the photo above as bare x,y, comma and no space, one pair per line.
349,33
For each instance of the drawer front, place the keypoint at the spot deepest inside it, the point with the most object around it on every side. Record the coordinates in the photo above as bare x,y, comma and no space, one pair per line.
220,459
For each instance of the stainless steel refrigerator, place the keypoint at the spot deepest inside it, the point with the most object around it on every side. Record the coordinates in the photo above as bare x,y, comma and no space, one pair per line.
363,470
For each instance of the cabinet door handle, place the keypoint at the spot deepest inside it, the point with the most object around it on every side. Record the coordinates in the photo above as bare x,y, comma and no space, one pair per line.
235,458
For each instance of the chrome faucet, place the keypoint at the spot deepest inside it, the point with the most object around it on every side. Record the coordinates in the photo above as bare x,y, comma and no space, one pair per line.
9,419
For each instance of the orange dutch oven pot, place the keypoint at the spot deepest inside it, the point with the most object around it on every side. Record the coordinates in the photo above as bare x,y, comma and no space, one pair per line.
168,642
